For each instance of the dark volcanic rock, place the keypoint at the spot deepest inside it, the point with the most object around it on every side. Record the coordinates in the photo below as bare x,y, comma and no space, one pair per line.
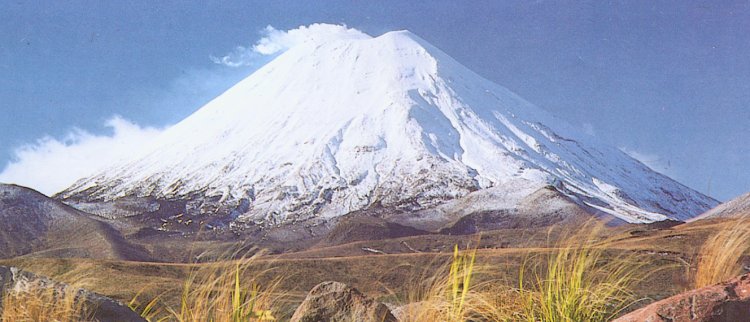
664,224
334,301
363,227
103,309
725,302
487,220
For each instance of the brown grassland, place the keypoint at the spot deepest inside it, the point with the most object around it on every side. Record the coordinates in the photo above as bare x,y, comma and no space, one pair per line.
591,272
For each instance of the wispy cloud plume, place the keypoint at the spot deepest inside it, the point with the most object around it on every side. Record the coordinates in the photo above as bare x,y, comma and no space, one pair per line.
51,165
653,161
240,56
274,41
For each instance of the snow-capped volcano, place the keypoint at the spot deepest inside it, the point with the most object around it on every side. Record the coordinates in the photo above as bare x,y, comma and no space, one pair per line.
346,124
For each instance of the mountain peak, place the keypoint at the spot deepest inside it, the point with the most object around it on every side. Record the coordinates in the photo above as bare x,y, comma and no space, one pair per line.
391,121
402,37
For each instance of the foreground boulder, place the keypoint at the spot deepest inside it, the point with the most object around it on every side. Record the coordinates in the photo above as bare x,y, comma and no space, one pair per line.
334,301
728,301
102,309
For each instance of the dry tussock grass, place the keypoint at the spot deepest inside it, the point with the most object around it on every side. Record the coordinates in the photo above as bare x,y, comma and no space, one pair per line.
719,257
575,281
580,283
578,278
227,290
39,302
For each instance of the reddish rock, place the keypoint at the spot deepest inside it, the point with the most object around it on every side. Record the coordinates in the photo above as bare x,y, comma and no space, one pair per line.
728,301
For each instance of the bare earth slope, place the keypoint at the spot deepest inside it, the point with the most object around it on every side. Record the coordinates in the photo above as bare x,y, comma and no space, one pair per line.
35,225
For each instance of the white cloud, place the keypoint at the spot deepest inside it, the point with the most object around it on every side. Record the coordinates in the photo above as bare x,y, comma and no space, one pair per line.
241,56
653,161
51,165
275,41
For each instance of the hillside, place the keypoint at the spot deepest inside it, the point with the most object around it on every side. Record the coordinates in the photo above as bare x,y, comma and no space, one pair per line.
33,224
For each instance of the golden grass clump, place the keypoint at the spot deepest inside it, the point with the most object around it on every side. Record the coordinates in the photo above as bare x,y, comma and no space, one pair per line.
220,292
578,283
39,303
719,257
452,294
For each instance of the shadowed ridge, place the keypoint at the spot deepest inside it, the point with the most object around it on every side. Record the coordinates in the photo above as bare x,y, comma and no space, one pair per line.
33,224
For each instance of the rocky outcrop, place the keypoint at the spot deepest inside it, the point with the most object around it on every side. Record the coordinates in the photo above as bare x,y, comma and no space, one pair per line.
334,301
102,309
728,301
409,311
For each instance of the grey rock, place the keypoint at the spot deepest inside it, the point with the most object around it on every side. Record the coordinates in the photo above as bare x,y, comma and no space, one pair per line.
334,301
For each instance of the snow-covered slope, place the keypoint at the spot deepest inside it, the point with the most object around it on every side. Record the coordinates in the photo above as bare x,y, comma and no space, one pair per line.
329,128
736,208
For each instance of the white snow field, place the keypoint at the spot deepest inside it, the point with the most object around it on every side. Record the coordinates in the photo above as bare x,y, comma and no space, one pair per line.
341,125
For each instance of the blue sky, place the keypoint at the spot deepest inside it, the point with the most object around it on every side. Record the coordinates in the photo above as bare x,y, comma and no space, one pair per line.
667,81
